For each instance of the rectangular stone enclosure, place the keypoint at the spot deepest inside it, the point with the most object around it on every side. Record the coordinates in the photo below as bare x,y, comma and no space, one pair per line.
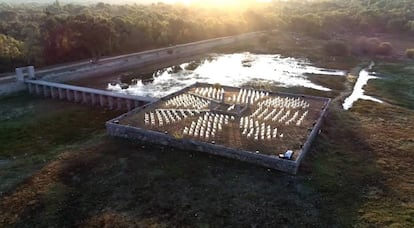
243,123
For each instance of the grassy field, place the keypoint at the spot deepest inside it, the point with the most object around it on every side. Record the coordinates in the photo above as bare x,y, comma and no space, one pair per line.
395,84
103,181
390,132
59,169
349,178
34,131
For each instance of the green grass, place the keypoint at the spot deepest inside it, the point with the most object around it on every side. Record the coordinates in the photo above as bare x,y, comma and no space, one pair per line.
342,166
119,182
34,131
396,84
389,201
152,185
79,177
105,181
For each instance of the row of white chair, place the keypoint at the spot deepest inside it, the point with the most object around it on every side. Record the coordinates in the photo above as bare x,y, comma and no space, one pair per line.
208,125
286,102
278,115
210,92
246,96
168,116
261,132
187,101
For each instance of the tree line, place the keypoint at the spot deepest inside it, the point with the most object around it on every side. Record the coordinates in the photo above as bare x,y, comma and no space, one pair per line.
49,34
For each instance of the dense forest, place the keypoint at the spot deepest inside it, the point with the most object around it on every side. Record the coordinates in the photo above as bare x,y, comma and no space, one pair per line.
49,34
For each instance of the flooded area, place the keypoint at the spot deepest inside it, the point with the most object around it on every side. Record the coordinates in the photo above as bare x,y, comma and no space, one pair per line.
238,69
358,91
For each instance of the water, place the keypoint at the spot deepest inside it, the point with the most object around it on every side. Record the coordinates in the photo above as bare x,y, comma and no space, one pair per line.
233,70
358,92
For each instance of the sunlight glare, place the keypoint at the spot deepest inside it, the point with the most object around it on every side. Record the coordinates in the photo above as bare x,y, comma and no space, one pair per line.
216,3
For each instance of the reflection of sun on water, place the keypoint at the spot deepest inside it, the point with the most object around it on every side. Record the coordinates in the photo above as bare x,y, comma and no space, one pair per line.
231,69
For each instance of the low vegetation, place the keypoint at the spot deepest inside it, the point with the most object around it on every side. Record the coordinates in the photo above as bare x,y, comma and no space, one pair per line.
33,132
101,181
410,53
395,85
357,174
372,46
336,48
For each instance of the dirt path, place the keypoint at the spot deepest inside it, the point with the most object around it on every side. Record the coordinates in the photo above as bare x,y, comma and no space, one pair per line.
348,84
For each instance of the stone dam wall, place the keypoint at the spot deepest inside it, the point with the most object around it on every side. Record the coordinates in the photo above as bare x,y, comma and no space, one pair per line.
76,71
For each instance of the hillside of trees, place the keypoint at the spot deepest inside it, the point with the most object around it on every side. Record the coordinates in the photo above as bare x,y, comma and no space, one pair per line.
49,34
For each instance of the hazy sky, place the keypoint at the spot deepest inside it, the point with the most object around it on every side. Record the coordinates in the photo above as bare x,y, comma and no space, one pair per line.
203,2
184,1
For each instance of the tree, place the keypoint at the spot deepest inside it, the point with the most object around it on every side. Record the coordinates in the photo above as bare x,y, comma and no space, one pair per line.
32,47
97,35
10,52
57,32
176,27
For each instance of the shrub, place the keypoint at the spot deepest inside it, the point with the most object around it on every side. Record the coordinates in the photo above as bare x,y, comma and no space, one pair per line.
372,46
336,48
385,48
410,53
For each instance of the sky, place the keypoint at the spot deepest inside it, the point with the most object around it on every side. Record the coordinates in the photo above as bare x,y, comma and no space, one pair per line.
202,2
212,2
216,2
184,1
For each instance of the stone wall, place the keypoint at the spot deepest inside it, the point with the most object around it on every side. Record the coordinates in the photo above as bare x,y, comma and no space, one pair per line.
315,131
134,133
11,87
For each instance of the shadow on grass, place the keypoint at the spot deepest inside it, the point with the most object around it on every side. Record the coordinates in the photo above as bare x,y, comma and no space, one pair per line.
33,131
152,185
390,201
117,182
114,182
341,167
